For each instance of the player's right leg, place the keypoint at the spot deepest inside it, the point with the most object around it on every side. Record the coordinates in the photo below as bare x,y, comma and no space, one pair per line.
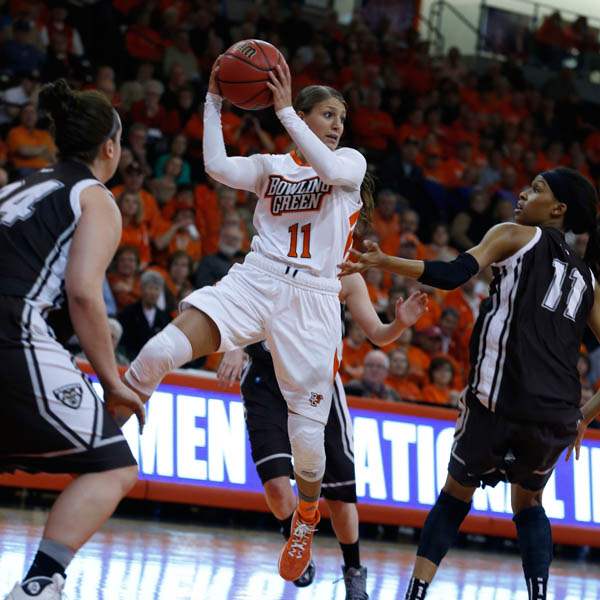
215,318
535,539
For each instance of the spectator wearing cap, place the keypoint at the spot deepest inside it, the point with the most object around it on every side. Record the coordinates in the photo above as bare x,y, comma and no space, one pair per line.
124,278
398,377
30,148
355,348
372,383
439,391
149,110
143,319
20,54
133,181
181,53
135,231
14,98
214,267
178,149
57,25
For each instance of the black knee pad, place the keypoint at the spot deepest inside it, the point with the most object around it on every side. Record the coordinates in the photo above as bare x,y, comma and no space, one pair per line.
441,527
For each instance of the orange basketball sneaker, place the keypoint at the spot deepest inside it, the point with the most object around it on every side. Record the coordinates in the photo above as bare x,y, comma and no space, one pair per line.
296,554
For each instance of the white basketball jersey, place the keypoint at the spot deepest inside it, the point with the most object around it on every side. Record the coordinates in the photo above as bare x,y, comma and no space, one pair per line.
299,219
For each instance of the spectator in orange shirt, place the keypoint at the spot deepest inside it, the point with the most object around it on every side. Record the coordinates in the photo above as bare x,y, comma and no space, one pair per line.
124,281
181,235
144,43
251,138
179,272
386,221
465,301
374,280
373,128
30,148
414,128
133,180
439,391
135,231
355,348
398,378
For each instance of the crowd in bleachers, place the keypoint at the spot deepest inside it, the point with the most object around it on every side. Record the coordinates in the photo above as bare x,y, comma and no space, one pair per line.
450,147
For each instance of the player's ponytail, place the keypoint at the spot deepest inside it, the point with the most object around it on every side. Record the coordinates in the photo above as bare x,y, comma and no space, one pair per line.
304,102
80,121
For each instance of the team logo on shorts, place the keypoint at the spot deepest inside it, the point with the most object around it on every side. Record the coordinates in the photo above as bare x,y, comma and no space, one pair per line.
295,196
70,395
315,399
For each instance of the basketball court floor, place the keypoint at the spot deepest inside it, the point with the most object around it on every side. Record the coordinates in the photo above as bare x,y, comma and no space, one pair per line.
143,560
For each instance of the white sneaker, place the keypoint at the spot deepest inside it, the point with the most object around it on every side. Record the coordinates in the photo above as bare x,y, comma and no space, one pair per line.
40,588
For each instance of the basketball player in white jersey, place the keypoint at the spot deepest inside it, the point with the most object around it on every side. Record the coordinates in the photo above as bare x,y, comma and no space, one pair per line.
286,291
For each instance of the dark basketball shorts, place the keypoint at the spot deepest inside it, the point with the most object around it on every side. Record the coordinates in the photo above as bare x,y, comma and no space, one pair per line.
51,419
489,448
266,422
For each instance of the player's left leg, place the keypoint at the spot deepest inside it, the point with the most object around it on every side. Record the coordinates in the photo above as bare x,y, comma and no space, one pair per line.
438,534
535,539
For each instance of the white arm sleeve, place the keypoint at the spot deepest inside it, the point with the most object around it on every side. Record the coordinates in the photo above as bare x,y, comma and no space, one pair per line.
345,167
239,172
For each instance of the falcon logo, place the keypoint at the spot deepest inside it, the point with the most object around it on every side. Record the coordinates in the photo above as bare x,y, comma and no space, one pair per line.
315,399
70,395
248,50
295,196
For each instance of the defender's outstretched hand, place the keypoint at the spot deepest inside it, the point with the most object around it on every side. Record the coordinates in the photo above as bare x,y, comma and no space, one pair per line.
374,258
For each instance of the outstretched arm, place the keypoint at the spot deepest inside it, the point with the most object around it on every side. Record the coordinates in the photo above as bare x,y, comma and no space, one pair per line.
345,167
408,312
238,172
499,243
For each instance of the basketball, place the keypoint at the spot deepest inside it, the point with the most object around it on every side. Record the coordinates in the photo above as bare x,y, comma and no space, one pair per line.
244,73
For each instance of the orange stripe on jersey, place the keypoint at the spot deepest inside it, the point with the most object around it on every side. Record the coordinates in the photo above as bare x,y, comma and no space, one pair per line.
298,159
353,219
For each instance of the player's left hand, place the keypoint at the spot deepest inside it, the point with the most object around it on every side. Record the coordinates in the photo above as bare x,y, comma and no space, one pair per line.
372,259
231,367
409,311
576,445
281,86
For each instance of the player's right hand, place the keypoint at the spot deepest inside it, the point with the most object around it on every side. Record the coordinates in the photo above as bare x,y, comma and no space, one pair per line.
576,445
231,367
121,400
213,86
374,258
